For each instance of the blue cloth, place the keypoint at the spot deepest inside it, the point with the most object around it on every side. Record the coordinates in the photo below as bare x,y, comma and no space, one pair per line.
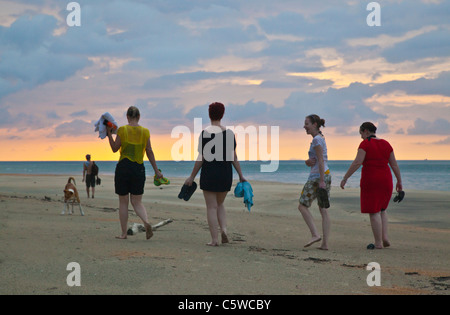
244,189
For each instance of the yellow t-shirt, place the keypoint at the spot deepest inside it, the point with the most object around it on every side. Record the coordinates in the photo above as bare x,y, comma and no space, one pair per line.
133,142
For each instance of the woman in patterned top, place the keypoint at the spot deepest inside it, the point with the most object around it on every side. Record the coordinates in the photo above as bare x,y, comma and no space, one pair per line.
319,177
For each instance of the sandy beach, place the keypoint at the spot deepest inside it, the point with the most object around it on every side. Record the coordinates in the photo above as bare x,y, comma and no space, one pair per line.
265,255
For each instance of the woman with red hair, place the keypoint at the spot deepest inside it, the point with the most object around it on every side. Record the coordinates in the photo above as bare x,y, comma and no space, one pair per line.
216,157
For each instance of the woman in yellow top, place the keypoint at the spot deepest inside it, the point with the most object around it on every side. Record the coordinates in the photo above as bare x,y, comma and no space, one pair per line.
129,180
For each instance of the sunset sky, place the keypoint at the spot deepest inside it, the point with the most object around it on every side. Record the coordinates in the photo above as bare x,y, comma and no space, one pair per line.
270,62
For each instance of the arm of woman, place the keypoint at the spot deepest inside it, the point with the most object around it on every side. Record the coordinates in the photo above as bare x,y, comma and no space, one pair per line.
197,166
319,153
237,166
84,172
151,159
354,166
310,162
115,144
198,163
396,170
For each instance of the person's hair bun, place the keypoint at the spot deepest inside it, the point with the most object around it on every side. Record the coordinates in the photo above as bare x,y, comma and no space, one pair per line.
322,122
315,119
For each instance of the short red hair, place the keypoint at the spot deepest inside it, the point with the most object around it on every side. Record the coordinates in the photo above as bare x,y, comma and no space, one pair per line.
216,111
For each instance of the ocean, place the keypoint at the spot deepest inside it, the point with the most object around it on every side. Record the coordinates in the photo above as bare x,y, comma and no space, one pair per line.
416,175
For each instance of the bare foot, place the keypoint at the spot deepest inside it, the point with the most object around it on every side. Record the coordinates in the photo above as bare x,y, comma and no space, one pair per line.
373,246
214,244
148,231
224,238
386,243
323,247
314,240
121,237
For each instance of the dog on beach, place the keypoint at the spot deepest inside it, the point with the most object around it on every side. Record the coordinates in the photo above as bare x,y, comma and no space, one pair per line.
71,195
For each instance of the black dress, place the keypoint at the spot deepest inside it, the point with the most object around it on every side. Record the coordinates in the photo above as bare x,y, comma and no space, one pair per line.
217,150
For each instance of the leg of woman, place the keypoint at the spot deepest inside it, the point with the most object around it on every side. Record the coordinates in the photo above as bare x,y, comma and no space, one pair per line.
384,223
138,206
211,215
310,223
222,216
325,228
375,221
123,215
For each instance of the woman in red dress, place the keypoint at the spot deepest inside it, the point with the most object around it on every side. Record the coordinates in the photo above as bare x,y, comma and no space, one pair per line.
375,155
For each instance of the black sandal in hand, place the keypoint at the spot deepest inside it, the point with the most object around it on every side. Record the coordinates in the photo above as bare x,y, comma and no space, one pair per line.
400,196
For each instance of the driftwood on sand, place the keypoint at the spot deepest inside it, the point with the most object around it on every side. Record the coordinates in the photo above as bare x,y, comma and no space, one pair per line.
139,228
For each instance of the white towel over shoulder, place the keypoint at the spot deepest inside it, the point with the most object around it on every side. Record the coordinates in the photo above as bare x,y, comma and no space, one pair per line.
101,128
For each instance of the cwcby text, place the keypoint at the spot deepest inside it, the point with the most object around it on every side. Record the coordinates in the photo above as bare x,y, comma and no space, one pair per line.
225,305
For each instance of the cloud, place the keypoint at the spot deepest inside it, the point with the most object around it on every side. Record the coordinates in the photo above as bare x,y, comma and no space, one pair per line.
248,113
291,23
27,33
332,26
399,18
340,108
172,81
74,128
297,83
5,118
437,86
25,59
52,115
423,127
337,23
428,45
160,115
182,53
20,119
445,141
80,113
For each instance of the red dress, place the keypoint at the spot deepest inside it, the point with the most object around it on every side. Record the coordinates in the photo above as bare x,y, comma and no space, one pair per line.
376,177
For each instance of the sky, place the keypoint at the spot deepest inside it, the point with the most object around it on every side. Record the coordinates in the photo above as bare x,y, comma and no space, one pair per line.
271,63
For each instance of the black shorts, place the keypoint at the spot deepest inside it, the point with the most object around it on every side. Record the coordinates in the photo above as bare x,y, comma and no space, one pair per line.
129,178
90,180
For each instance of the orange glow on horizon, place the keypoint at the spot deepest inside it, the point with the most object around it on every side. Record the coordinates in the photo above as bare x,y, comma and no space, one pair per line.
293,145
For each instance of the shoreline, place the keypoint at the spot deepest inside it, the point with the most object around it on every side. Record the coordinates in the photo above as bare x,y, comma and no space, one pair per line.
294,172
37,243
178,179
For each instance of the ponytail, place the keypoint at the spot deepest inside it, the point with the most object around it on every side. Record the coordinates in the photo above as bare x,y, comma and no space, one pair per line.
315,119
